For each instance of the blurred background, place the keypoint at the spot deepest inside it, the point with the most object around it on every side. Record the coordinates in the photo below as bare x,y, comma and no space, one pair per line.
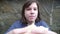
10,11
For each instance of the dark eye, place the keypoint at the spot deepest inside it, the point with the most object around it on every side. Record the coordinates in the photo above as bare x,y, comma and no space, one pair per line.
35,8
28,9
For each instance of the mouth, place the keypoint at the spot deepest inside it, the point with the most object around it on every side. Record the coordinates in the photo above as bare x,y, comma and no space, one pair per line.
31,17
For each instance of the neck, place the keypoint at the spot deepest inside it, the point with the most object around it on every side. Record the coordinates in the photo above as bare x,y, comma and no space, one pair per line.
31,23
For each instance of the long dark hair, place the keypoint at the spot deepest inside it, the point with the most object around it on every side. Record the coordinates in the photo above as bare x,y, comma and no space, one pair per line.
26,5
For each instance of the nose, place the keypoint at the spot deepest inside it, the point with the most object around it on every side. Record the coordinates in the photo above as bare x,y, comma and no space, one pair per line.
32,11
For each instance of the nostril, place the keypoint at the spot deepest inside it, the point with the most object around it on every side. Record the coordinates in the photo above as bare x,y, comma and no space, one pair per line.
32,13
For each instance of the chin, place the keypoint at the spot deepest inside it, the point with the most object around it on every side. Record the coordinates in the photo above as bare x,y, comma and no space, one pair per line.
31,20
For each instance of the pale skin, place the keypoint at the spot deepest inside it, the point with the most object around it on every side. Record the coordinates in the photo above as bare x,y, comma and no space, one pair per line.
31,14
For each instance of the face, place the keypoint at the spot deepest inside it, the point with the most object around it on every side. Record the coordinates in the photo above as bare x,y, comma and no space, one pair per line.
31,12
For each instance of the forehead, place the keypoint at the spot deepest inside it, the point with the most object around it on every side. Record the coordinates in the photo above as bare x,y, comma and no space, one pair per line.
34,4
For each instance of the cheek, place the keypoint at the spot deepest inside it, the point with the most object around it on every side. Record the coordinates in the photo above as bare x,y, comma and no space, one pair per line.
27,14
36,13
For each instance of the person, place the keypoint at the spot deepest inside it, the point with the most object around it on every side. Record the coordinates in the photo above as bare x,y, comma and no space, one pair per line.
31,22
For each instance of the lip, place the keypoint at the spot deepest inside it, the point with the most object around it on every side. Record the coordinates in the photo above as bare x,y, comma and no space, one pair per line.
31,16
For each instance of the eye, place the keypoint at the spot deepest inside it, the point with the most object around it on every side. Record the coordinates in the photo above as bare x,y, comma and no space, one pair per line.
28,9
35,8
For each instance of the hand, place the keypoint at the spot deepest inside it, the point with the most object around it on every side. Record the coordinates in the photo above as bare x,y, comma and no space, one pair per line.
39,30
51,32
32,29
17,31
20,30
42,30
